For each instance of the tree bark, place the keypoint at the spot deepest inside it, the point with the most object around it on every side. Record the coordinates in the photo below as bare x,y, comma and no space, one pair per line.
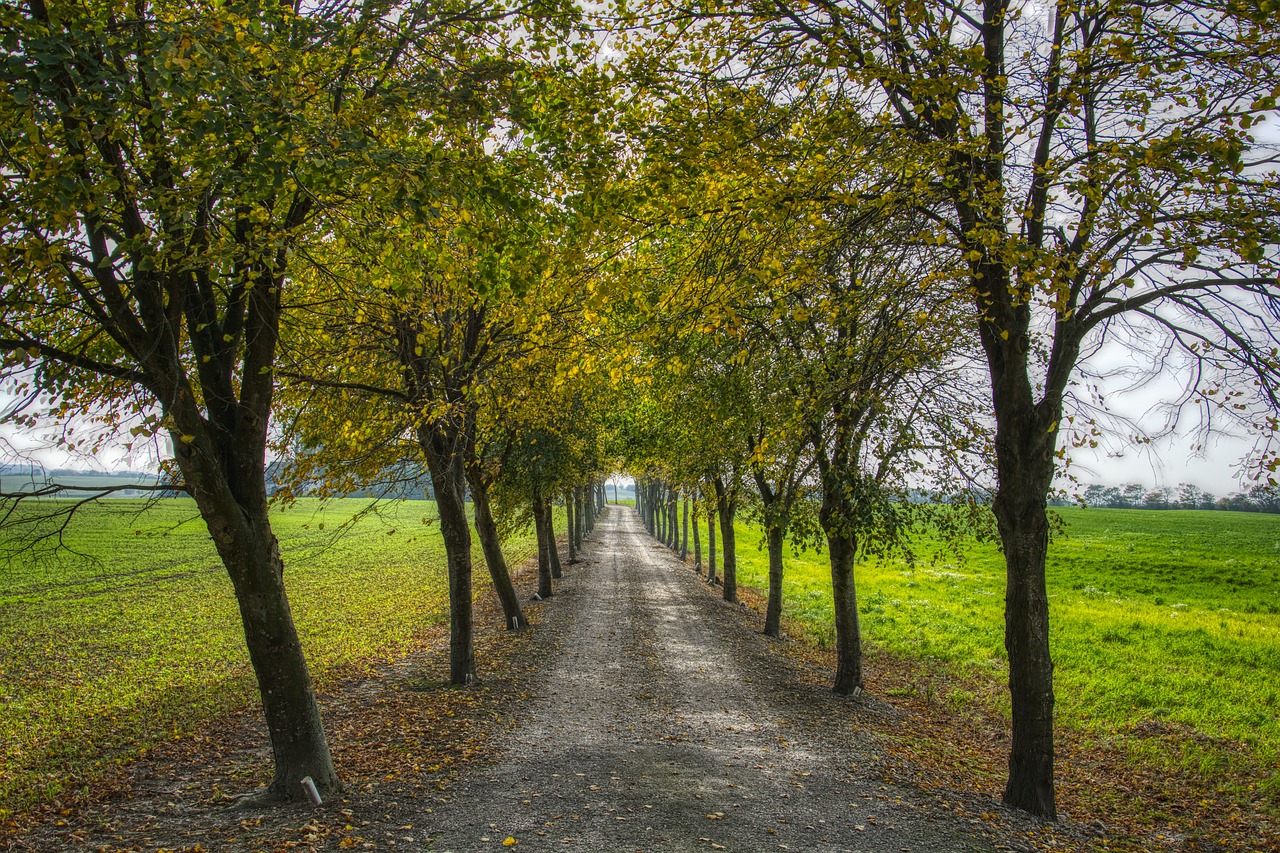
569,512
660,514
673,519
1020,508
841,551
666,516
241,532
726,507
557,570
579,513
448,481
1025,441
775,537
491,544
775,534
684,538
544,553
711,544
654,516
655,511
665,511
697,538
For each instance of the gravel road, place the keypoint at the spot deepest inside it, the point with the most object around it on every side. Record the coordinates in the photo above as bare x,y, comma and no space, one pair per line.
666,724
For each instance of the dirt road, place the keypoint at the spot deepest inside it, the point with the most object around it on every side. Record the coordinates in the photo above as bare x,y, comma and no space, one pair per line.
666,724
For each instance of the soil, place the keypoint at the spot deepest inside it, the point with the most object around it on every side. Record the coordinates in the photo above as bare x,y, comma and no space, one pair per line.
640,712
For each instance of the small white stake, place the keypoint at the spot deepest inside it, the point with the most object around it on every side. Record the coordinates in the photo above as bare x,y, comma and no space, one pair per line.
310,787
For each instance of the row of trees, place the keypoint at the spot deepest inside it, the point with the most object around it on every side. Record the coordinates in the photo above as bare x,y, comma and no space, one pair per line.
1260,497
326,231
822,254
906,237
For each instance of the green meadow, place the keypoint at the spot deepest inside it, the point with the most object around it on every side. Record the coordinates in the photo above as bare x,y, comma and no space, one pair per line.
1164,619
130,635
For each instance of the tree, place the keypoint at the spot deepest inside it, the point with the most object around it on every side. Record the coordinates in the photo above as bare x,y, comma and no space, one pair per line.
438,308
892,404
1156,499
163,164
1095,178
402,329
1189,496
1132,494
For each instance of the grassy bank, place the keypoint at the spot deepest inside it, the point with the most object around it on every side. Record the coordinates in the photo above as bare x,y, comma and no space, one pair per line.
136,638
1163,623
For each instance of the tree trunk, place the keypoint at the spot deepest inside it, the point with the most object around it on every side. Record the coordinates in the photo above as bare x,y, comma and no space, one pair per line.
557,570
1020,510
666,516
711,544
544,552
673,519
665,511
650,511
728,562
660,514
697,538
491,544
773,610
1026,437
448,481
684,537
569,515
654,513
241,532
579,513
841,551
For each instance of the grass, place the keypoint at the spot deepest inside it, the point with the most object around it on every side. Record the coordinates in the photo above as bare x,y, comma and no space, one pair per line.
1161,622
105,655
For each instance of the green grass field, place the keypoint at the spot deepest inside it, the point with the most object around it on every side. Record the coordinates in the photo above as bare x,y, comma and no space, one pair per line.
1164,619
104,655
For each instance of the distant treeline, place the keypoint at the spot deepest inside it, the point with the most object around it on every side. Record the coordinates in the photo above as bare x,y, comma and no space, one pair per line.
20,479
30,478
1259,498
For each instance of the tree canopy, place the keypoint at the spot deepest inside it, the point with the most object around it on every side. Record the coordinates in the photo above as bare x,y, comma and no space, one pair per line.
812,259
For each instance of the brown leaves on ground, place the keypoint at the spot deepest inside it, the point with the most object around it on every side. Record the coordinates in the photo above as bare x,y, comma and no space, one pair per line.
398,733
1110,800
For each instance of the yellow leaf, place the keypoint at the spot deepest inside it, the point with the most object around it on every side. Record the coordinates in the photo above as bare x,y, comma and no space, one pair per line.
1004,335
509,841
187,439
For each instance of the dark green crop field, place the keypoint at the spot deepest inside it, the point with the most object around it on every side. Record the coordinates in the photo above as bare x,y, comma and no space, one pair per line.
1165,622
136,638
